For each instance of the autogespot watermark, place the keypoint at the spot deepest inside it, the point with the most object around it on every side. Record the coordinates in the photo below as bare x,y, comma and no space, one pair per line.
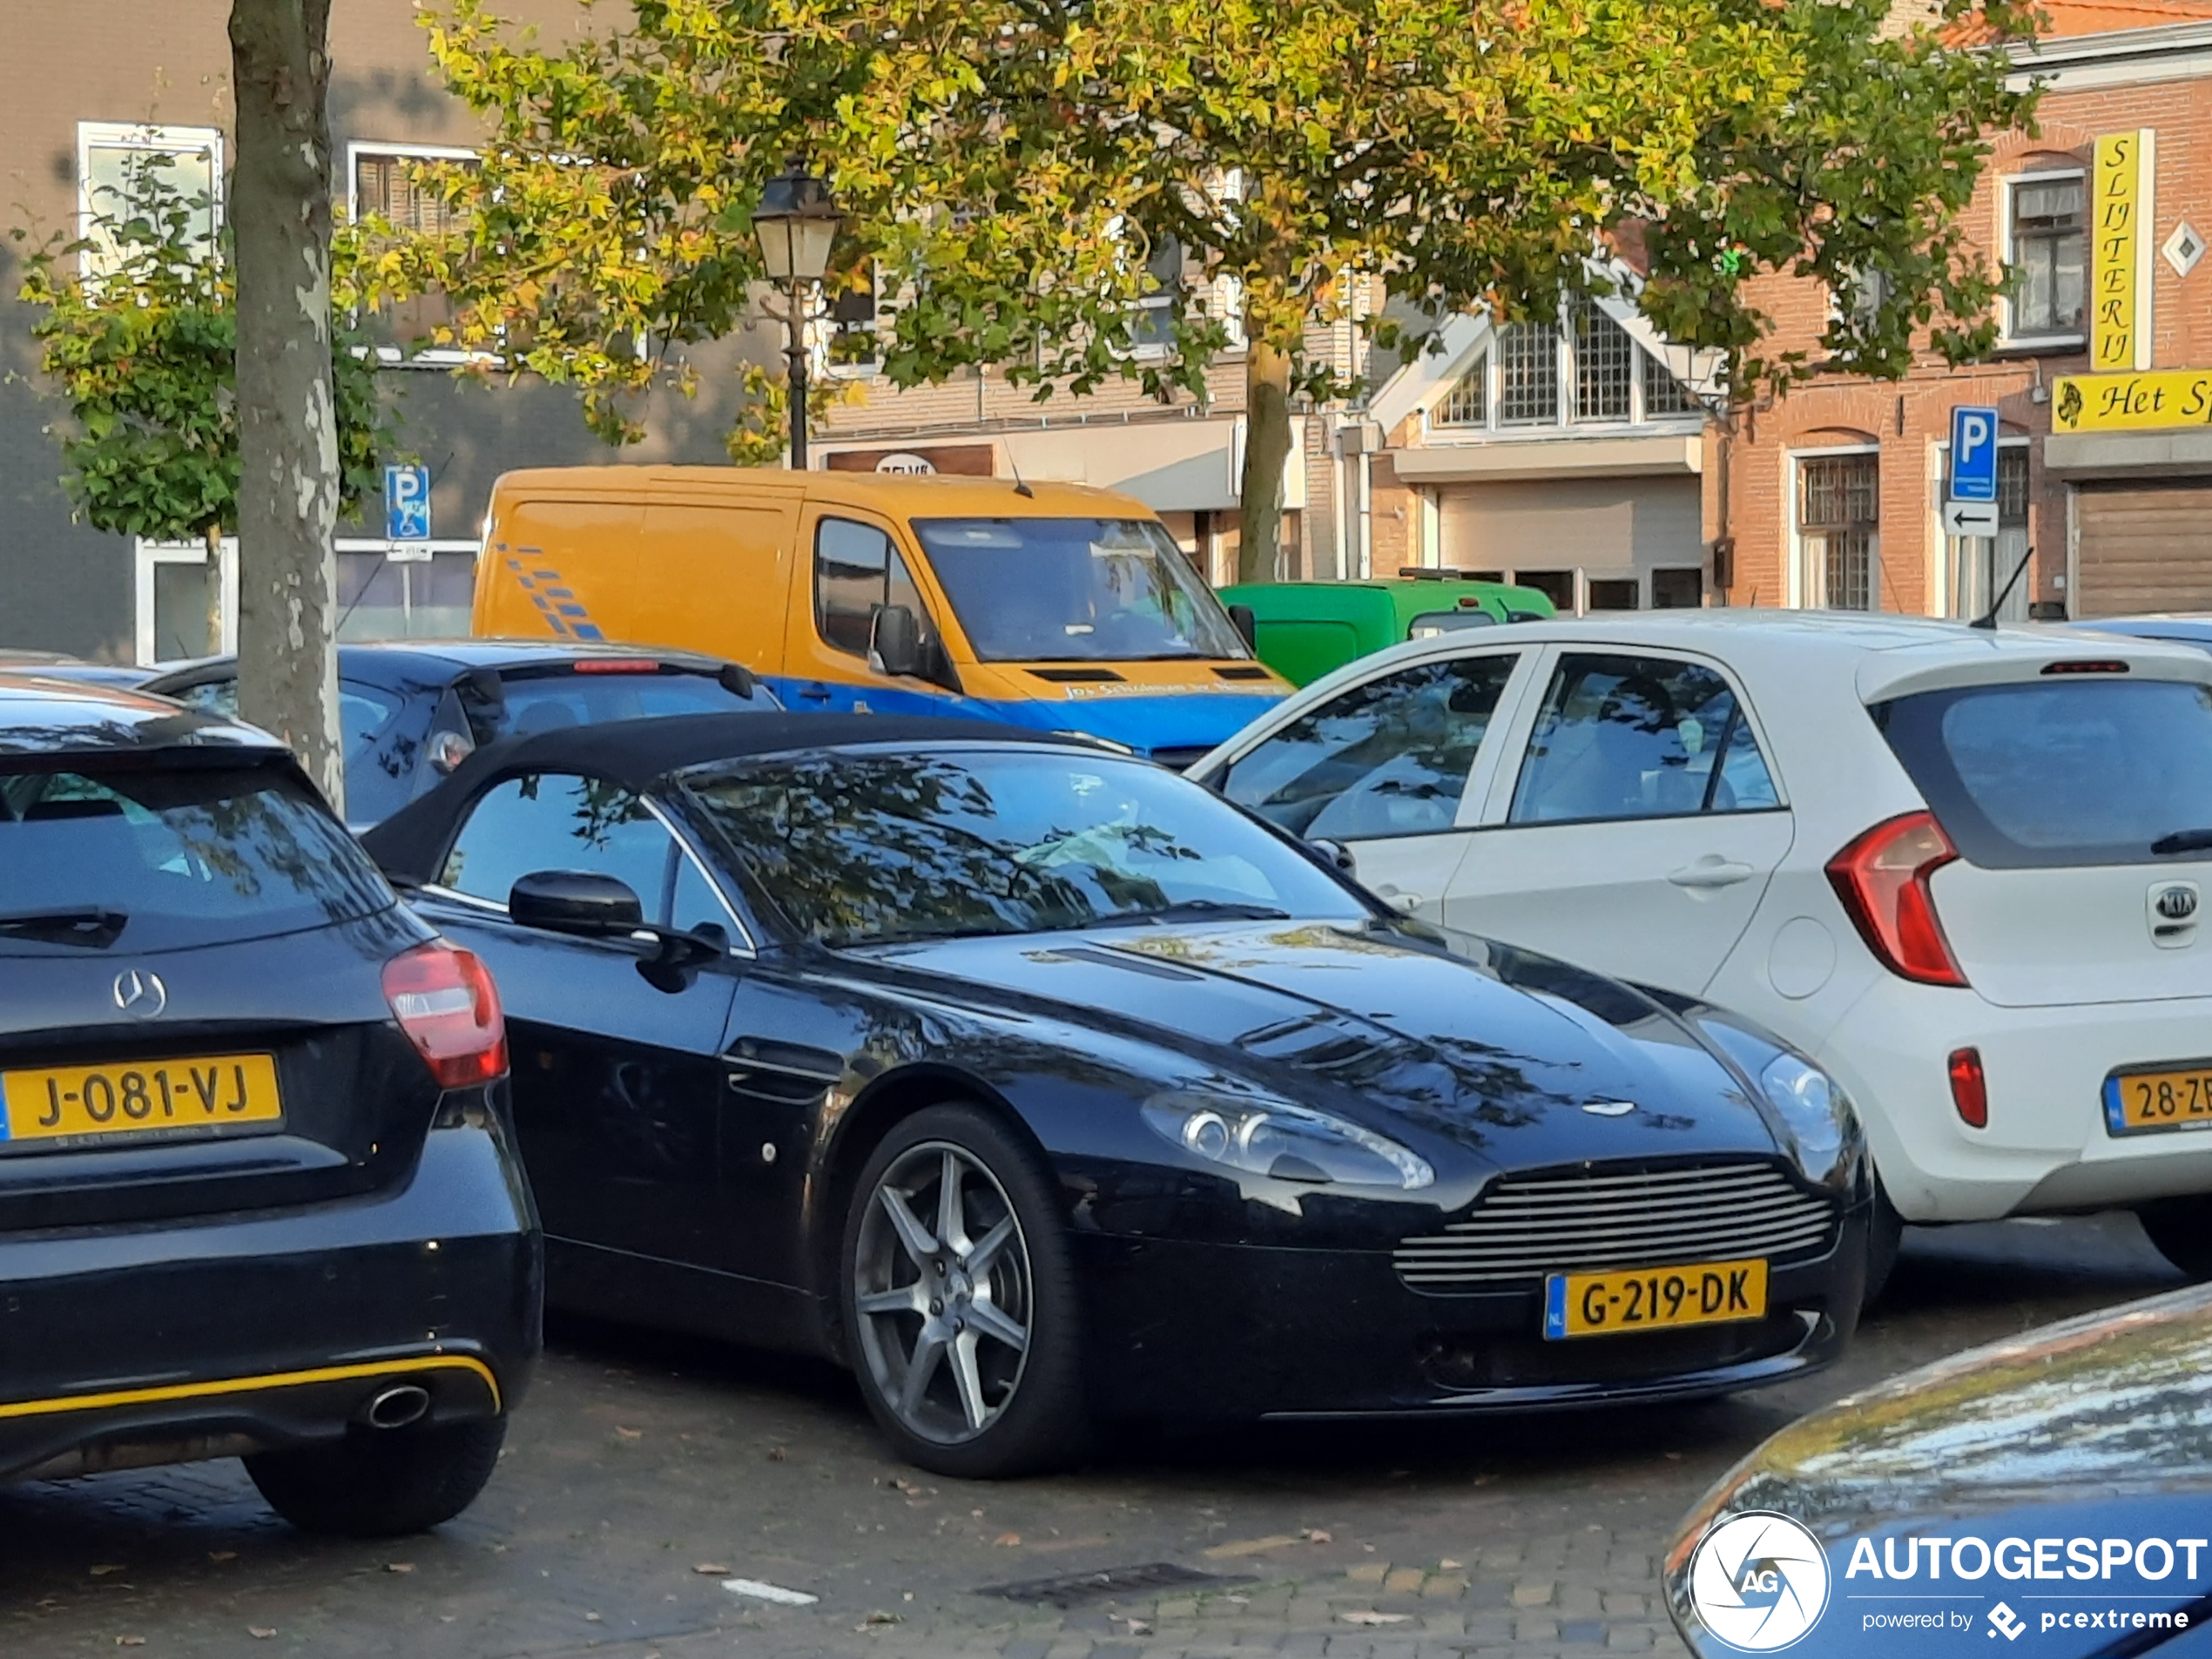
1762,1582
1759,1581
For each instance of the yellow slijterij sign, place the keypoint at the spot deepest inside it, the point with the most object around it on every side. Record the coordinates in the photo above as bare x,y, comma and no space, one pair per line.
2132,402
2120,218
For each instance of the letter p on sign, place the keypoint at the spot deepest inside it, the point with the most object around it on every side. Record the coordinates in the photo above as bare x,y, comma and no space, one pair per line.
406,503
1973,454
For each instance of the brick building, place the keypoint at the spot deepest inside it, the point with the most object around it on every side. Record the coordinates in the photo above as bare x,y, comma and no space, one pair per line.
1833,494
1541,452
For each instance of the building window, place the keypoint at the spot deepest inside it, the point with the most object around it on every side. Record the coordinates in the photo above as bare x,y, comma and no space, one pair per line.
1529,372
111,161
1152,327
1839,506
1611,380
386,182
1468,401
854,346
1681,587
1663,395
2049,271
1981,565
1605,372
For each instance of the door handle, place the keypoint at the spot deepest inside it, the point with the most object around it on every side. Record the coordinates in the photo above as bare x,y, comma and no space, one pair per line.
1711,871
814,693
1399,898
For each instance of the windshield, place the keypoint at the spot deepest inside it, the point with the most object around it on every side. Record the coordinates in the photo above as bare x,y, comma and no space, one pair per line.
534,703
868,847
2073,772
156,859
1074,590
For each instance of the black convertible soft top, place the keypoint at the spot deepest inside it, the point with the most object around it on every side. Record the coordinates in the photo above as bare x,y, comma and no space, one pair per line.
639,754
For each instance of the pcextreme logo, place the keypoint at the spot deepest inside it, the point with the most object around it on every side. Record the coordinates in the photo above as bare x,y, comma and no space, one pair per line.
1759,1581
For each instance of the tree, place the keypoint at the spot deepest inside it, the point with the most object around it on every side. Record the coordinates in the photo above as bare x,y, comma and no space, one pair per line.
1012,167
144,348
291,477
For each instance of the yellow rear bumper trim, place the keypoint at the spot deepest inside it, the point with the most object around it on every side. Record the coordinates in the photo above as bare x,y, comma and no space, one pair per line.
251,1385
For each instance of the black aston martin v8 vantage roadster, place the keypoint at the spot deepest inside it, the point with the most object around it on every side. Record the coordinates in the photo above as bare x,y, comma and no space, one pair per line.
1040,1085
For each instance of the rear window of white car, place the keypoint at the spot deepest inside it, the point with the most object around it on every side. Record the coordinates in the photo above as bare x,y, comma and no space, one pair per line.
2062,773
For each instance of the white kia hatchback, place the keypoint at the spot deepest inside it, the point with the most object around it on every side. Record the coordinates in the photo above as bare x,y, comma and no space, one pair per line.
1962,869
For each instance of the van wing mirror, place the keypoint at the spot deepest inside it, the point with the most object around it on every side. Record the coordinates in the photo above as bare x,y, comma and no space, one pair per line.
1246,625
894,643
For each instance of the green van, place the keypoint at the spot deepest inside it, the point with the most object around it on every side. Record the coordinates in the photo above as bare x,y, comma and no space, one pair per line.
1301,630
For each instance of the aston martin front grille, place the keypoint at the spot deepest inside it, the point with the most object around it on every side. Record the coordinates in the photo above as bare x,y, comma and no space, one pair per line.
1525,1227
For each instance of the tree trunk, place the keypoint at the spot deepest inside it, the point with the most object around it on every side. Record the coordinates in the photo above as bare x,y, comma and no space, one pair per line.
288,475
214,588
1267,447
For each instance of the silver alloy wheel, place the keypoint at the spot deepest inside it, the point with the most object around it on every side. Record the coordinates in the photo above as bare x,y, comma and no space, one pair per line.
943,1306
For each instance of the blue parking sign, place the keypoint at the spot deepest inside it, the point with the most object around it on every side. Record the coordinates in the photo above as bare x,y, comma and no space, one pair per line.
1973,454
406,503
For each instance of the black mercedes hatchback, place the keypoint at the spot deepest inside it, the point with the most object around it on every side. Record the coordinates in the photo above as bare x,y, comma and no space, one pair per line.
257,1194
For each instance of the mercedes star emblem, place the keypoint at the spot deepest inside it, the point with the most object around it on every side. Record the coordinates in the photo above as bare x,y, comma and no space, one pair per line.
140,995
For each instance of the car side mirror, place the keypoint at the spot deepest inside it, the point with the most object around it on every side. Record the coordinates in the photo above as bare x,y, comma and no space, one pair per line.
1246,625
1337,856
575,901
894,643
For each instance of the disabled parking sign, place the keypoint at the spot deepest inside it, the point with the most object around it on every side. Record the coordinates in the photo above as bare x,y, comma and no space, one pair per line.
406,503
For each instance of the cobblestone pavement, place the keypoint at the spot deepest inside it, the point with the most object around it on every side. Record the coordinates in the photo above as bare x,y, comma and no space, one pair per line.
644,1472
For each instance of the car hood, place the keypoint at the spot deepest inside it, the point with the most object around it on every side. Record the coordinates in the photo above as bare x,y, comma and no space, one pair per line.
1489,1047
2096,1430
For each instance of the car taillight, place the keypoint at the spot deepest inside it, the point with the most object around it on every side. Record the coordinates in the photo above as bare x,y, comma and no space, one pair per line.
1969,1088
446,1002
1883,880
614,665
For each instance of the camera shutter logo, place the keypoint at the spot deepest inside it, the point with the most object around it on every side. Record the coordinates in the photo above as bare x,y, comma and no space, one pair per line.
1759,1581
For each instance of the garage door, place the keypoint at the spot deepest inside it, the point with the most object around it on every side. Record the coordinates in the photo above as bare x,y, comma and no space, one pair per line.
2143,547
1614,530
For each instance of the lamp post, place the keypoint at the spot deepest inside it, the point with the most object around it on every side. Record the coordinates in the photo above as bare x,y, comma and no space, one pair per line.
796,223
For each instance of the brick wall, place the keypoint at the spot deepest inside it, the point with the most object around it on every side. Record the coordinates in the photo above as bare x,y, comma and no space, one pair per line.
1908,420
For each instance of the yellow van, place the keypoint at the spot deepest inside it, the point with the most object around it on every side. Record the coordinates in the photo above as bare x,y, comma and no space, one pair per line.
1050,605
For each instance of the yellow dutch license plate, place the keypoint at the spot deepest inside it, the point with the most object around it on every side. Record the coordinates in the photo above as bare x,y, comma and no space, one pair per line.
2144,1103
1654,1299
146,1098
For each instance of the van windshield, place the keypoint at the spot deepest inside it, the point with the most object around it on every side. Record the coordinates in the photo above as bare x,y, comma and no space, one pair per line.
1075,590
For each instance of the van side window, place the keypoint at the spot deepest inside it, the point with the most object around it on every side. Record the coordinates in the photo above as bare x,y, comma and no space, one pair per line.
857,572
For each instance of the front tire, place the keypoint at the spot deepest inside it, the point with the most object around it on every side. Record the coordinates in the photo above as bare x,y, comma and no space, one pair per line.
2182,1229
959,1299
380,1483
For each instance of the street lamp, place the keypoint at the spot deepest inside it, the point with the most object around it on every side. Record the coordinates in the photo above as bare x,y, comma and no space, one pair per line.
796,222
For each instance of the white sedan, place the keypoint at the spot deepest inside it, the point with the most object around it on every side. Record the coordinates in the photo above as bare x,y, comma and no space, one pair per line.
1962,869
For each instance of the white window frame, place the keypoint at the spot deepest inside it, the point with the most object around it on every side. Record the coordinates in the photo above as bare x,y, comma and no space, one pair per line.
394,356
2008,186
1793,461
140,135
1493,429
825,326
146,553
1944,590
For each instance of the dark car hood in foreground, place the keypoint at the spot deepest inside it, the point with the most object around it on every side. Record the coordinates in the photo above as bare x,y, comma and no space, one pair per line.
1489,1047
2095,1431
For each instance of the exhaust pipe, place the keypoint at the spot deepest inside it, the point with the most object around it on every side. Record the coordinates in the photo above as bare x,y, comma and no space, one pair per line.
397,1407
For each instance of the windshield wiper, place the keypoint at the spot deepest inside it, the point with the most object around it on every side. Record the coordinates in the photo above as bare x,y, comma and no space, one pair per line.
94,929
2187,841
1194,910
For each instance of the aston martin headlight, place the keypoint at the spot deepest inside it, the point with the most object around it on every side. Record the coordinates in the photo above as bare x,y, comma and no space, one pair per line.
1824,1127
1273,1137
